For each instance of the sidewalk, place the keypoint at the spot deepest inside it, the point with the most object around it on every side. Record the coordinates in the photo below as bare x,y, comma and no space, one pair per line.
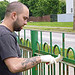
48,27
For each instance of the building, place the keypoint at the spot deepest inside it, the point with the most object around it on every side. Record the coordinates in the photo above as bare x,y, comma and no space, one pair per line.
68,16
69,6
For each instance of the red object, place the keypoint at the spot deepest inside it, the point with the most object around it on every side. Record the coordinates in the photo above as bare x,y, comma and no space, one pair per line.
47,62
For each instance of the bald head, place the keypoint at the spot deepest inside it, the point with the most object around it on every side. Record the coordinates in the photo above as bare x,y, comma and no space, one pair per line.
15,7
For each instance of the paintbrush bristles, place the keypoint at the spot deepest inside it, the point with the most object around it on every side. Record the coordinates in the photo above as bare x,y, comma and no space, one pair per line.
59,58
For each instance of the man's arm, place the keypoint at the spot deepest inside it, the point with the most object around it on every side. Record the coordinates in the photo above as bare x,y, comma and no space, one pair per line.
15,64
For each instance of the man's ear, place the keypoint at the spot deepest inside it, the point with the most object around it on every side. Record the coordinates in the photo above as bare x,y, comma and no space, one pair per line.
14,15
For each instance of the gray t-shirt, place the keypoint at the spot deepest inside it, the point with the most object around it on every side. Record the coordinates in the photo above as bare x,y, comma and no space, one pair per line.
8,48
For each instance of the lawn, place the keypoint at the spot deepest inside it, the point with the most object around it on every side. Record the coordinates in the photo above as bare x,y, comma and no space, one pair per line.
52,24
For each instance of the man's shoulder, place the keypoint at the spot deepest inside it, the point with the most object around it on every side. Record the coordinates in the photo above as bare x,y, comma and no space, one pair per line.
4,30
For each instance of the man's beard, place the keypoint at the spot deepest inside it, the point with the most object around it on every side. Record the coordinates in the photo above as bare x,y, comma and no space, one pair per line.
16,26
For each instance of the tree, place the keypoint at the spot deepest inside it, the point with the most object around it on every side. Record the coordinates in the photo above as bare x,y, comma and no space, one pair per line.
43,7
62,7
37,7
24,2
3,5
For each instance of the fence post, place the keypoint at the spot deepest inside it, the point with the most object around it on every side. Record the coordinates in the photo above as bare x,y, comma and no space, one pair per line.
63,47
34,39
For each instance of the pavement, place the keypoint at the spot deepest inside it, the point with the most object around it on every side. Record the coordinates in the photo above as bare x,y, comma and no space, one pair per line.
48,26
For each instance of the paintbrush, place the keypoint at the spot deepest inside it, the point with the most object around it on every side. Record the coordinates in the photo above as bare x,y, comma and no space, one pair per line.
57,59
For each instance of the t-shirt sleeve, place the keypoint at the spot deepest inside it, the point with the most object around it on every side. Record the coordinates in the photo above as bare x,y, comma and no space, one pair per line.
7,47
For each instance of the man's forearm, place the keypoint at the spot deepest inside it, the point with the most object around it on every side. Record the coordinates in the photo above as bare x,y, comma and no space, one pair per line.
21,64
30,62
15,64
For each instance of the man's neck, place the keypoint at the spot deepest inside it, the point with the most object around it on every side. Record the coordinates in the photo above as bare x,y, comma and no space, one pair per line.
6,24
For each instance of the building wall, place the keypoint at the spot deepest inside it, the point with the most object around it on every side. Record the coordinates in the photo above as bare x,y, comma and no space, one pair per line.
69,6
40,19
65,17
68,17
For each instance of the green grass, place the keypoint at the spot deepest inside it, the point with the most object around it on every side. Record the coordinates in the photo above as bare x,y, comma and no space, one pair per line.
51,29
52,24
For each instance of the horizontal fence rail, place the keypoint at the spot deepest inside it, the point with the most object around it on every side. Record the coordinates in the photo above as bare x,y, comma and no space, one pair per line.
32,47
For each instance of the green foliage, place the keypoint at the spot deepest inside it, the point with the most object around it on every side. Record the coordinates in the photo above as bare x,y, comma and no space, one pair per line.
53,6
62,7
24,2
38,7
42,7
3,5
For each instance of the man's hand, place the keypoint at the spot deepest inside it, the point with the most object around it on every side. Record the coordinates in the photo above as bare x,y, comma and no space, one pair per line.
48,59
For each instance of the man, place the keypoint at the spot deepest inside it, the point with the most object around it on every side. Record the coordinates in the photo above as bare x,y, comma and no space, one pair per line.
11,62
